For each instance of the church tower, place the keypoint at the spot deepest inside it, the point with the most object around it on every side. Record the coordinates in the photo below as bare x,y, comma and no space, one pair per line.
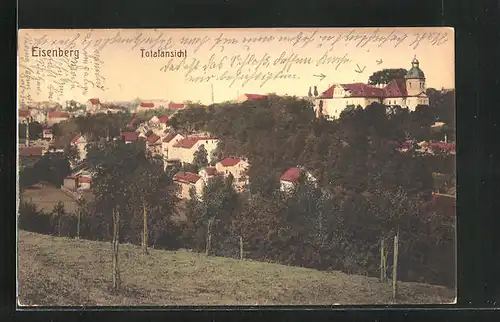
415,79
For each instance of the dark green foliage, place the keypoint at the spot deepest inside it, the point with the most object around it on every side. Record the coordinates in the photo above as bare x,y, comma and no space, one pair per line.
201,157
35,130
52,168
386,75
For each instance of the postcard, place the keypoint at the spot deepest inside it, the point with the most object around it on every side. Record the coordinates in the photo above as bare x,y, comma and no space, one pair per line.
243,167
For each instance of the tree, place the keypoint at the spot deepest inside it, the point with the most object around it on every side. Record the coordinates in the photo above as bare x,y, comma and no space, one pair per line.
385,76
114,164
58,212
200,157
35,130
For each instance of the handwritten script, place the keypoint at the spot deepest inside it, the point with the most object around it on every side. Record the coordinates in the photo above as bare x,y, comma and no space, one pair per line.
234,57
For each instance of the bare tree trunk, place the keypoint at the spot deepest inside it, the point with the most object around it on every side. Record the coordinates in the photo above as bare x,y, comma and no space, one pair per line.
241,248
395,267
78,224
59,225
145,234
116,242
209,236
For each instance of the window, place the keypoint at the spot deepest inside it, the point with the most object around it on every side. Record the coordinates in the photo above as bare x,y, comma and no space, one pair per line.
410,84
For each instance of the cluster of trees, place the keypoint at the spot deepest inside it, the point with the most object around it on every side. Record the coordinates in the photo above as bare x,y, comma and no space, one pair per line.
35,130
365,187
51,168
366,190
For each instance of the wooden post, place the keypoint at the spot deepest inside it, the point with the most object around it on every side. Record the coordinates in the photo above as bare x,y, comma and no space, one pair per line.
78,224
382,260
209,236
395,267
241,248
145,230
116,239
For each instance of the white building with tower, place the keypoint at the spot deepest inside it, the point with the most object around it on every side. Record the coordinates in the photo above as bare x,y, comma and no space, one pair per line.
407,92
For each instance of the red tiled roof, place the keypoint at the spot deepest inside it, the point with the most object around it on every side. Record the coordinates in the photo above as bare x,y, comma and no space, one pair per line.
170,136
211,171
129,136
442,146
75,139
153,138
187,177
94,101
31,151
255,96
114,107
163,119
24,113
85,180
175,105
147,105
57,114
396,88
229,162
132,122
291,175
189,142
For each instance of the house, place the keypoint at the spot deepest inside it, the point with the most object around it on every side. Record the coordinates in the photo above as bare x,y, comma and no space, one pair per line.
70,183
185,148
84,182
80,143
93,105
153,144
237,167
24,116
291,177
56,117
158,124
176,106
168,141
187,180
208,173
34,151
113,109
246,97
133,122
47,134
407,93
129,137
38,116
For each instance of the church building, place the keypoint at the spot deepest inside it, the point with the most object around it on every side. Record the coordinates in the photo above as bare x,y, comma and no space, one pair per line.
407,92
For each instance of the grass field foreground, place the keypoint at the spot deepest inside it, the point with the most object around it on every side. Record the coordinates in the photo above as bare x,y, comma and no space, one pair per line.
68,272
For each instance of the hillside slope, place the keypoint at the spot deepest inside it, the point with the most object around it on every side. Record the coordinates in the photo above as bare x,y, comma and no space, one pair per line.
63,271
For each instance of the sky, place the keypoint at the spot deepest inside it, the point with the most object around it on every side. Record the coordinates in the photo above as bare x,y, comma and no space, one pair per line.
111,66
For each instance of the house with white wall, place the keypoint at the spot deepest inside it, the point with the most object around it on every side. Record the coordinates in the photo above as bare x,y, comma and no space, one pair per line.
185,181
80,142
408,92
237,167
57,117
185,148
291,178
168,141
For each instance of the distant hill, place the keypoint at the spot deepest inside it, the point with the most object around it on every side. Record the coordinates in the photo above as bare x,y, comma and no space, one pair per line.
63,271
